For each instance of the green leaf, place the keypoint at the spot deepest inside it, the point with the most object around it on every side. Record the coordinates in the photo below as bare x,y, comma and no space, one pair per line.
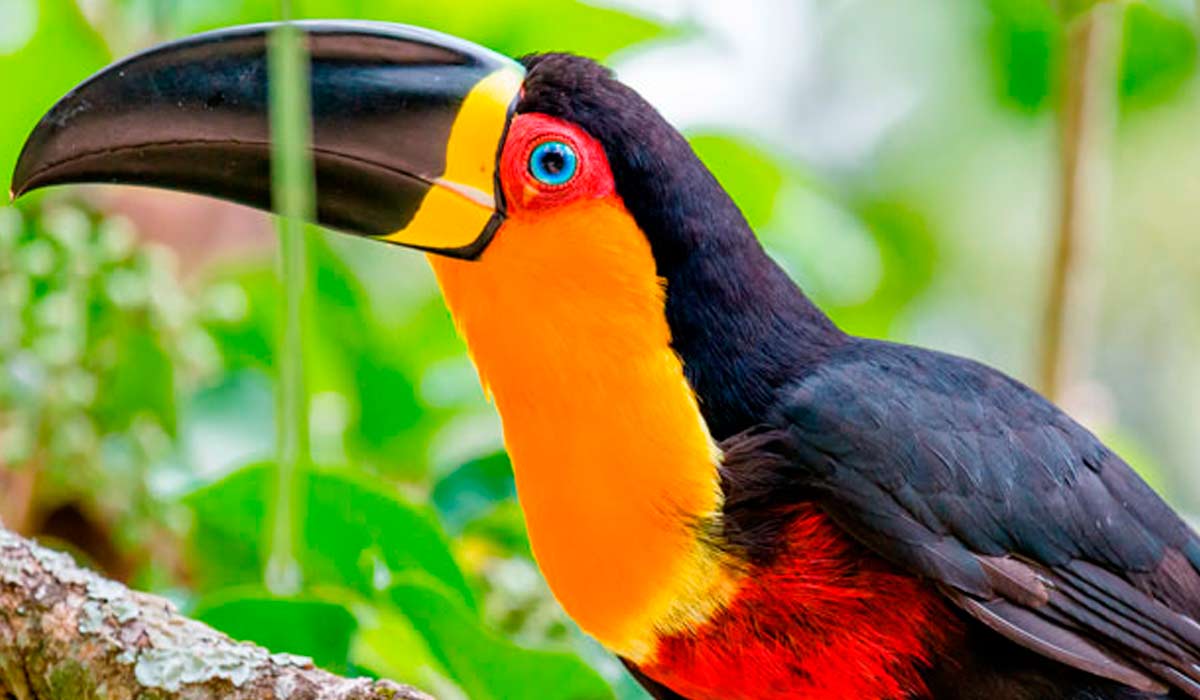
750,175
62,51
242,308
357,535
481,663
357,530
1158,55
473,489
226,539
229,423
306,626
388,645
512,27
1070,9
373,369
1025,41
122,396
502,527
907,249
1136,454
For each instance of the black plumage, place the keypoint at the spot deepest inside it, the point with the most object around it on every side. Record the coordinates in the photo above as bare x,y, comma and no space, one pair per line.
1074,578
956,473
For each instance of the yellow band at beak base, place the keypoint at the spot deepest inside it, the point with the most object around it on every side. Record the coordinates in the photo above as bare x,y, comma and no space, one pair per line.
457,209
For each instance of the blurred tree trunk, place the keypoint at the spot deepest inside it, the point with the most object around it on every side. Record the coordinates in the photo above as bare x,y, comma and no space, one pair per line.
17,485
1086,117
68,634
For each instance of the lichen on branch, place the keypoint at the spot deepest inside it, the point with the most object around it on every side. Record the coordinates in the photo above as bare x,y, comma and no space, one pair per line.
68,634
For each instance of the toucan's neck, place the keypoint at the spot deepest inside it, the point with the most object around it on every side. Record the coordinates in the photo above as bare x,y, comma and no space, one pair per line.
741,326
616,470
743,330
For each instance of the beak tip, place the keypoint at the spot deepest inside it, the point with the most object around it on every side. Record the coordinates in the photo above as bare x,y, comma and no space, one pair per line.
19,187
16,188
23,181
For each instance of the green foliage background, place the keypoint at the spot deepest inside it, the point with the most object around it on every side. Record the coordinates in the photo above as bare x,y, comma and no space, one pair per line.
136,391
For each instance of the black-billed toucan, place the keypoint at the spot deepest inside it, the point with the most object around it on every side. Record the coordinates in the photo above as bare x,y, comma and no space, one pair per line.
729,492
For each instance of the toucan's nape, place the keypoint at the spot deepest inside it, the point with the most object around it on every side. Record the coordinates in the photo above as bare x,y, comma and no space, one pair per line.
720,486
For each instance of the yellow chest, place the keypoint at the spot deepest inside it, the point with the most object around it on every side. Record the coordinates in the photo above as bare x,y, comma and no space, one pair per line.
615,469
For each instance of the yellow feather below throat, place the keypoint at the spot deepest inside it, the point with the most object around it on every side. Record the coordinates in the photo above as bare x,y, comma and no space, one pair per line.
616,472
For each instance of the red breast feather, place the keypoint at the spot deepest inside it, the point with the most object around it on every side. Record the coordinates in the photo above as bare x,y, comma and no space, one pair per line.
824,619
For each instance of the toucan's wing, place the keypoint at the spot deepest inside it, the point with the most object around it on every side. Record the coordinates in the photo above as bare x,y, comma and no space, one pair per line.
956,473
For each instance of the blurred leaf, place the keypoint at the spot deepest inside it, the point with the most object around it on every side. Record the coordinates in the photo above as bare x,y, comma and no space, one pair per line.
512,27
375,368
357,534
356,529
483,664
1025,40
1070,9
474,489
907,248
1136,455
311,627
378,380
750,175
242,310
122,396
502,527
389,645
229,424
1158,55
226,540
63,51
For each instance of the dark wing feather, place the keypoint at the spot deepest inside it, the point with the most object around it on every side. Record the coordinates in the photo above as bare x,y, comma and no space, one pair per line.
954,472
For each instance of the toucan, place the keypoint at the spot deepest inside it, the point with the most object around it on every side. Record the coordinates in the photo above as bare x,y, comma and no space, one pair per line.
733,495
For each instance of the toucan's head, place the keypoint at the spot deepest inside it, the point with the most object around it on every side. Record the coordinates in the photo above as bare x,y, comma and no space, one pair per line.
611,294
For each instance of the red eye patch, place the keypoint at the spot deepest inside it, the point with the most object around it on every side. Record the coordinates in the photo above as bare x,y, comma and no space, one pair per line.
592,177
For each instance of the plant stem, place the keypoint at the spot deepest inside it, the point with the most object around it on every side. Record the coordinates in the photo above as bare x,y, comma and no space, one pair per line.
292,189
1086,121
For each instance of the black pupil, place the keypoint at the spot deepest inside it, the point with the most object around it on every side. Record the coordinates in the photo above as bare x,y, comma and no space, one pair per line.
553,161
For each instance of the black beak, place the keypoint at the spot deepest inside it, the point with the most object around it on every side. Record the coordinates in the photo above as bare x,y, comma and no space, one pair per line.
407,126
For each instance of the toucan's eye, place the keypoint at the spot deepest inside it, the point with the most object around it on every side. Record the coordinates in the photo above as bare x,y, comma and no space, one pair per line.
553,163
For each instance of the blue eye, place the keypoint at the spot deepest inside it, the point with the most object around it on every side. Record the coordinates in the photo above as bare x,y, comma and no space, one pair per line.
553,163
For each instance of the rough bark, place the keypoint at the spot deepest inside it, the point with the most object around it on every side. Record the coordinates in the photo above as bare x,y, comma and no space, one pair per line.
68,634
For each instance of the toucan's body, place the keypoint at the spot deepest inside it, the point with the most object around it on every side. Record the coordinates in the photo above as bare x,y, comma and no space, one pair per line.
731,494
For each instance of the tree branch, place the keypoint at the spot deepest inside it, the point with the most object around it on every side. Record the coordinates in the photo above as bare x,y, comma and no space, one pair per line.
68,634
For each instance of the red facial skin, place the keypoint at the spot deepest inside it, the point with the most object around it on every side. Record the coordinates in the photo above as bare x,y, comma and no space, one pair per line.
822,622
523,192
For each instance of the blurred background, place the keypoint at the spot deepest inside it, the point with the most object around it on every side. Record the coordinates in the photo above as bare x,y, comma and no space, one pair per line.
1013,180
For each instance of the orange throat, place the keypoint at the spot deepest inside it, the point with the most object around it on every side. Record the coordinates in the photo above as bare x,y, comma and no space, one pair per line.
616,471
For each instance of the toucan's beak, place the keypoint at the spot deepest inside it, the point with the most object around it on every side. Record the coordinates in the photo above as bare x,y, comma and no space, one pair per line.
407,126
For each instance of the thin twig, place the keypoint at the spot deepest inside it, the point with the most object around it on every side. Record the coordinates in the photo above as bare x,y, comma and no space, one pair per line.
293,195
1086,120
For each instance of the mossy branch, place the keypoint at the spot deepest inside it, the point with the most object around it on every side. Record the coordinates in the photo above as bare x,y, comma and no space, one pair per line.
68,634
